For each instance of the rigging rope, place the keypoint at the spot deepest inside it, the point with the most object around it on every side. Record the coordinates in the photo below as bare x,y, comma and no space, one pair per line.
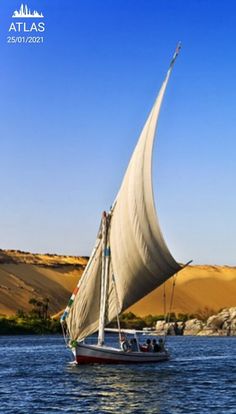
172,298
164,300
117,304
167,319
164,306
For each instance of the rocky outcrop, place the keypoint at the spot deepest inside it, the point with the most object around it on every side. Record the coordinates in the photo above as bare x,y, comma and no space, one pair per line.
176,328
224,323
193,327
221,324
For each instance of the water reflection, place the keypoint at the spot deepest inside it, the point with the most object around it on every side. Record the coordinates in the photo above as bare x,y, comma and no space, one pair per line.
125,389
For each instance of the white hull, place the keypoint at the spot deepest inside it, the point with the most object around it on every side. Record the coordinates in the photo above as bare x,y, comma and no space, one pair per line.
89,354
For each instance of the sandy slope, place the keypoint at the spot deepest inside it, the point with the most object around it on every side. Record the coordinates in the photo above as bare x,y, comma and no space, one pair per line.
196,287
25,275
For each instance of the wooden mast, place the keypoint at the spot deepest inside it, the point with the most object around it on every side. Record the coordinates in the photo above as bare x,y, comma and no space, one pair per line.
104,276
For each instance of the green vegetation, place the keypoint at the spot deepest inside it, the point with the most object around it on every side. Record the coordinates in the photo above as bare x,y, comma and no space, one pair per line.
37,321
131,321
20,326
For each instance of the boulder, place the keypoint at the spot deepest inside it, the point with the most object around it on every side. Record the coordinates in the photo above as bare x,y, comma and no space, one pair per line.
160,325
224,323
216,322
193,327
208,332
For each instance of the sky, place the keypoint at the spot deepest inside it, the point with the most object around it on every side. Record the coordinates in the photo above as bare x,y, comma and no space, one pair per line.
72,108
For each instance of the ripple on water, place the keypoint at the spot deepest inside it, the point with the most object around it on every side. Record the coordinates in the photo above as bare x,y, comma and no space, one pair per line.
36,377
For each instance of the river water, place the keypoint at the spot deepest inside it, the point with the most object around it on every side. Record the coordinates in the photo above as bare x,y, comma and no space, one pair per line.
36,377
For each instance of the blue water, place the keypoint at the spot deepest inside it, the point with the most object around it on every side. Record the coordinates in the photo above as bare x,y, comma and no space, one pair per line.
36,377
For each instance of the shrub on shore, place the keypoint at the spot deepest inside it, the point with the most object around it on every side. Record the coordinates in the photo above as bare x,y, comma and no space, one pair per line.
37,321
27,325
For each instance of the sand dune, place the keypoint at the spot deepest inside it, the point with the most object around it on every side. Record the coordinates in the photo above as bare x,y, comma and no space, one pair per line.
197,287
25,275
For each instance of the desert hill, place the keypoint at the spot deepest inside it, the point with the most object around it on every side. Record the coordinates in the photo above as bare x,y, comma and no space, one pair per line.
197,288
25,275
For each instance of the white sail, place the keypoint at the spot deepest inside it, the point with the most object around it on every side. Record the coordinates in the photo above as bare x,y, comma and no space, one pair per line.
82,312
140,260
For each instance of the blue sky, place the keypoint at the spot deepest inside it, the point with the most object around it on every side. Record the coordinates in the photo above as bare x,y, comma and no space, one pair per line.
72,108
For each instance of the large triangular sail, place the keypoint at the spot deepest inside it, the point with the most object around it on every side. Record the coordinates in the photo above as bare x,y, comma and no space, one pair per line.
139,260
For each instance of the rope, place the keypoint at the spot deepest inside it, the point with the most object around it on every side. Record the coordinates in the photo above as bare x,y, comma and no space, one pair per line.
65,336
172,297
171,304
164,306
164,300
117,304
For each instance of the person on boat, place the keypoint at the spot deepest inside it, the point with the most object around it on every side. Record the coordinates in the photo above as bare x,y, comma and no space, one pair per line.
147,347
133,345
155,347
125,346
161,345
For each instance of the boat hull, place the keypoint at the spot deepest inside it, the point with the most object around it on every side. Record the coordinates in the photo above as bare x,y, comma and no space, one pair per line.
92,354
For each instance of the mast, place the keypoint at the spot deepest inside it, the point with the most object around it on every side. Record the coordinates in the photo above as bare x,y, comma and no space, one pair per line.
104,276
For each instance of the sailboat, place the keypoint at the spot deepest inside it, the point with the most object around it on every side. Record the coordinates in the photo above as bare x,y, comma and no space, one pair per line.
129,260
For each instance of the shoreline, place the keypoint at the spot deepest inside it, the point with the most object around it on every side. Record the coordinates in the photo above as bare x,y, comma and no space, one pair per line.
222,324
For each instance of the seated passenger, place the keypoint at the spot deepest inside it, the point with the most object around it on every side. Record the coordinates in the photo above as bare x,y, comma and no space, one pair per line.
125,346
156,347
161,345
147,347
133,345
